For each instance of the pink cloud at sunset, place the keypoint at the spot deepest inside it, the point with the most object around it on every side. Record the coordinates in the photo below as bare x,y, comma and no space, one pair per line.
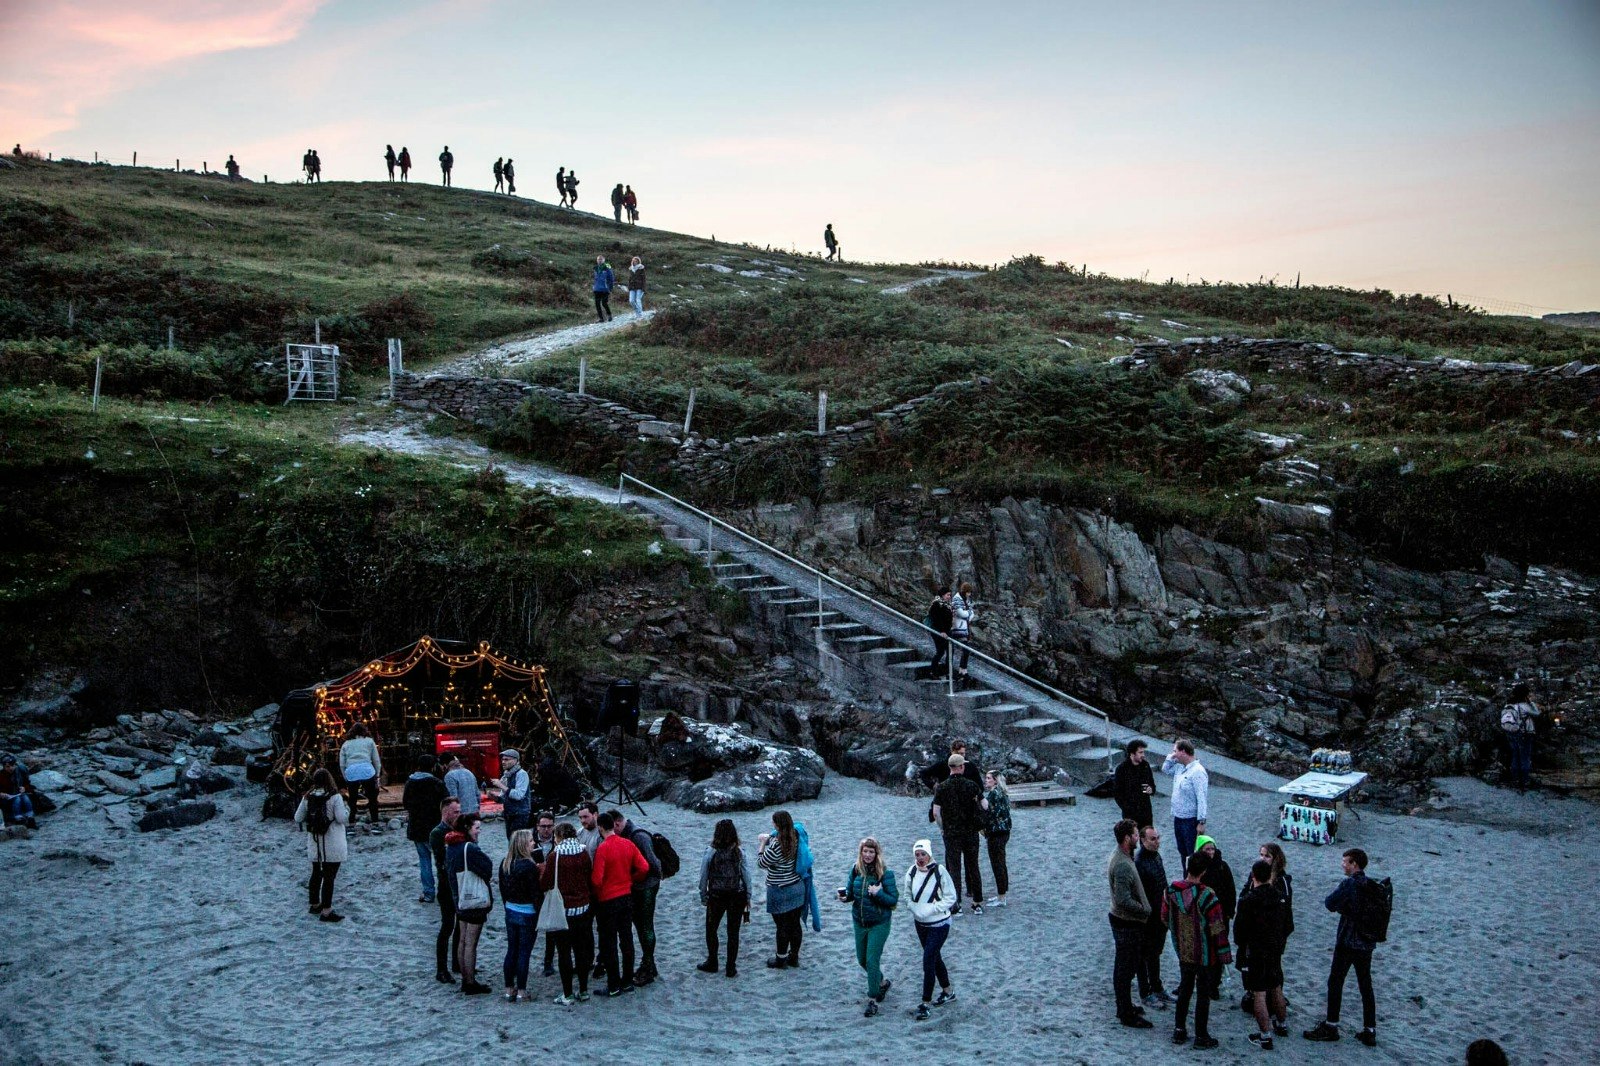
77,54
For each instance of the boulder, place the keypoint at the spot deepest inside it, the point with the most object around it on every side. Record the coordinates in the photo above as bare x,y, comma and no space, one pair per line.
120,786
1221,388
51,781
783,775
178,815
1306,516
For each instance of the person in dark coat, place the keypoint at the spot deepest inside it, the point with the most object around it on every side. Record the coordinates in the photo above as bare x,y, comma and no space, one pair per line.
561,184
511,177
500,174
1218,876
423,793
940,619
616,201
405,163
390,159
1260,930
447,162
1134,784
957,805
1153,875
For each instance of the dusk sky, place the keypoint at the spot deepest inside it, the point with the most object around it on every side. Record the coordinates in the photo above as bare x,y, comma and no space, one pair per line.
1433,147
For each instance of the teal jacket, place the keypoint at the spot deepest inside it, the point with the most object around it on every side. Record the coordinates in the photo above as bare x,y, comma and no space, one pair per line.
868,910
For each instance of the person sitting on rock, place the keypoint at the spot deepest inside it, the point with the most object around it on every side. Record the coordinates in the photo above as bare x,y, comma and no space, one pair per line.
16,800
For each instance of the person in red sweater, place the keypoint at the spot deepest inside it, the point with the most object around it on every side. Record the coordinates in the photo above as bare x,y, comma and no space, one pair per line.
568,870
617,865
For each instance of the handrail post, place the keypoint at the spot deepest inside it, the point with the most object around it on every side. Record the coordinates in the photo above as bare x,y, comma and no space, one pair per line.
620,478
819,606
950,667
709,556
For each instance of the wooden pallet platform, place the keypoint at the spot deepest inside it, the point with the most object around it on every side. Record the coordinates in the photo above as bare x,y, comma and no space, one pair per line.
1040,793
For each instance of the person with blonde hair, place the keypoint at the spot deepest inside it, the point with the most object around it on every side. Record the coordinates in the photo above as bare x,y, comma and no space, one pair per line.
519,891
996,806
870,890
636,286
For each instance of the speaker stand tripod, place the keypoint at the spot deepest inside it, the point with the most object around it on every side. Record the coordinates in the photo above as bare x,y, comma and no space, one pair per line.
624,795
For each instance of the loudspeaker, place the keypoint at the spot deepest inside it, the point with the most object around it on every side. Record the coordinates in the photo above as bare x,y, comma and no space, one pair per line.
621,708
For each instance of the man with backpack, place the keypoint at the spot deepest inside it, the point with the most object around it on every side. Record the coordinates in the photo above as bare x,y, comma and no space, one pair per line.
1520,722
423,794
645,891
447,161
1363,907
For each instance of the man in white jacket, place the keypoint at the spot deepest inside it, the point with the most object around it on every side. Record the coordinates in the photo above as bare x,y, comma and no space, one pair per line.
362,769
931,894
1189,787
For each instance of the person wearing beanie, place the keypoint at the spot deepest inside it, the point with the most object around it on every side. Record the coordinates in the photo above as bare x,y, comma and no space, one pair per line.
931,895
958,808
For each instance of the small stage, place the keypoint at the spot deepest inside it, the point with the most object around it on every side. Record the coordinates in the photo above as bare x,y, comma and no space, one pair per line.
1040,793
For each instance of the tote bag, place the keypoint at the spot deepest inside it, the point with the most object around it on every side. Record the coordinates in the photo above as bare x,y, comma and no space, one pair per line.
553,915
472,892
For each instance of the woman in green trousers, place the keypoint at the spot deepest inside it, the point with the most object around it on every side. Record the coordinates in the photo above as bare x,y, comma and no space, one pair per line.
870,890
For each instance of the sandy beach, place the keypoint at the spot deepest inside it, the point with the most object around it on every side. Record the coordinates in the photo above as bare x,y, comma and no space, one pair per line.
194,946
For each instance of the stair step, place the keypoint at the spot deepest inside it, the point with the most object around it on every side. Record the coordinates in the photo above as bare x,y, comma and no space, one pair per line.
1002,708
730,566
688,544
1033,724
767,589
861,642
883,655
842,627
794,601
742,578
1092,754
975,694
1066,739
815,615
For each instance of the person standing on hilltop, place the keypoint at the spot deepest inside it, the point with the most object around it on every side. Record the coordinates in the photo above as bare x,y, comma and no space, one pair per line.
233,168
446,162
500,174
561,184
305,165
511,179
1189,788
572,189
389,159
1134,783
605,279
616,201
405,163
831,241
631,202
316,167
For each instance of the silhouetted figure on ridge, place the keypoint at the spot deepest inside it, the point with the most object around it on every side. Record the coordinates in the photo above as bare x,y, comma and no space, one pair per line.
446,161
500,174
233,168
832,242
389,159
511,179
405,163
572,189
631,202
561,185
616,202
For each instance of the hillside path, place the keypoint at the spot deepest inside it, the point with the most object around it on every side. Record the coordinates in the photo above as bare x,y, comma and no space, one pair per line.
494,361
937,278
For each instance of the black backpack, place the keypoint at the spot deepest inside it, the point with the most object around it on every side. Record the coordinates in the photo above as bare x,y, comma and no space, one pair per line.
726,874
1376,906
318,820
666,855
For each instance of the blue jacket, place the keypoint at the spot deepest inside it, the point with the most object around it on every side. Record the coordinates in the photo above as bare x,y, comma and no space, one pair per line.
803,866
605,279
869,910
1345,901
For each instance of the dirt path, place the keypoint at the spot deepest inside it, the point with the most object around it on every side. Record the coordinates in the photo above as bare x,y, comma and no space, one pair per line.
493,362
936,278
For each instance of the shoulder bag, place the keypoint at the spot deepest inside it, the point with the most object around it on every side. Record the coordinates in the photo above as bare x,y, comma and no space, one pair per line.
553,915
472,892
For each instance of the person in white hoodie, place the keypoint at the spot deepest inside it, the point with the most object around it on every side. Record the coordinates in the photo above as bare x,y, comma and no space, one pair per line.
362,769
931,895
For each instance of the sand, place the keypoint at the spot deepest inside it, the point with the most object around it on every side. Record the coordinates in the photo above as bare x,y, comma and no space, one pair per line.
195,947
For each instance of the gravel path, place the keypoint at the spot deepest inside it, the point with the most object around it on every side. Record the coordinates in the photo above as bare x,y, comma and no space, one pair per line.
936,278
496,360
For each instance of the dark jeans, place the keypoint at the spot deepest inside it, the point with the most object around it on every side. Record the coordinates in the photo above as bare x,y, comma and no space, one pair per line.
616,209
616,919
602,305
731,904
322,875
369,789
515,821
941,649
576,950
1184,831
1129,940
1196,981
997,861
1149,971
966,653
644,921
446,943
1343,959
1521,757
520,935
932,938
791,930
19,808
961,849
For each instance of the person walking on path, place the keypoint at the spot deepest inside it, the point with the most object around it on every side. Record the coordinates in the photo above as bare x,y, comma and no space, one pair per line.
616,201
362,769
636,286
462,854
1200,937
519,891
724,892
786,856
618,866
511,178
1259,933
316,166
1190,784
1520,722
870,890
631,202
423,794
515,791
831,241
500,174
390,159
1153,876
605,279
940,619
566,879
1130,910
957,806
961,618
572,189
307,166
561,184
447,943
233,168
405,163
446,162
932,895
997,833
645,891
1352,949
1134,784
324,814
462,783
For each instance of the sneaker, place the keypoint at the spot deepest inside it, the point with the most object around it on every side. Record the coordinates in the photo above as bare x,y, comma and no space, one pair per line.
1180,1036
777,962
1204,1043
977,909
643,978
1369,1037
473,988
997,903
1262,1040
733,971
444,978
1323,1033
1137,1021
709,966
1155,1001
922,1012
314,909
883,990
424,899
332,917
563,1001
945,996
583,997
1279,1029
872,1009
620,990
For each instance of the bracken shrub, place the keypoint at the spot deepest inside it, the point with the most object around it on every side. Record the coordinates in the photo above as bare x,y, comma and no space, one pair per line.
138,370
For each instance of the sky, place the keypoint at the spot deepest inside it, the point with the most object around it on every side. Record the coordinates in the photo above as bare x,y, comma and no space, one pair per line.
1415,146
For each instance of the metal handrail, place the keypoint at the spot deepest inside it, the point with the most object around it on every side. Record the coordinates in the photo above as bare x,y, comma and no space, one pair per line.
713,521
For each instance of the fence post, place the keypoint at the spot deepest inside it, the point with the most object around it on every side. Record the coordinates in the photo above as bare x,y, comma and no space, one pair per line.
688,415
71,312
709,556
169,338
819,607
94,404
317,332
619,488
177,164
136,159
583,373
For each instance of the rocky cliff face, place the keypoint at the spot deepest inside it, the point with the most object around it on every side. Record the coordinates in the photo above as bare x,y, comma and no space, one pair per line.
1267,650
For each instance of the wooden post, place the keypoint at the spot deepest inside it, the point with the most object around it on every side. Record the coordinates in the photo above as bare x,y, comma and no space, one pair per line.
136,159
316,336
94,404
1297,279
97,157
688,415
177,164
71,312
169,338
822,413
583,373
